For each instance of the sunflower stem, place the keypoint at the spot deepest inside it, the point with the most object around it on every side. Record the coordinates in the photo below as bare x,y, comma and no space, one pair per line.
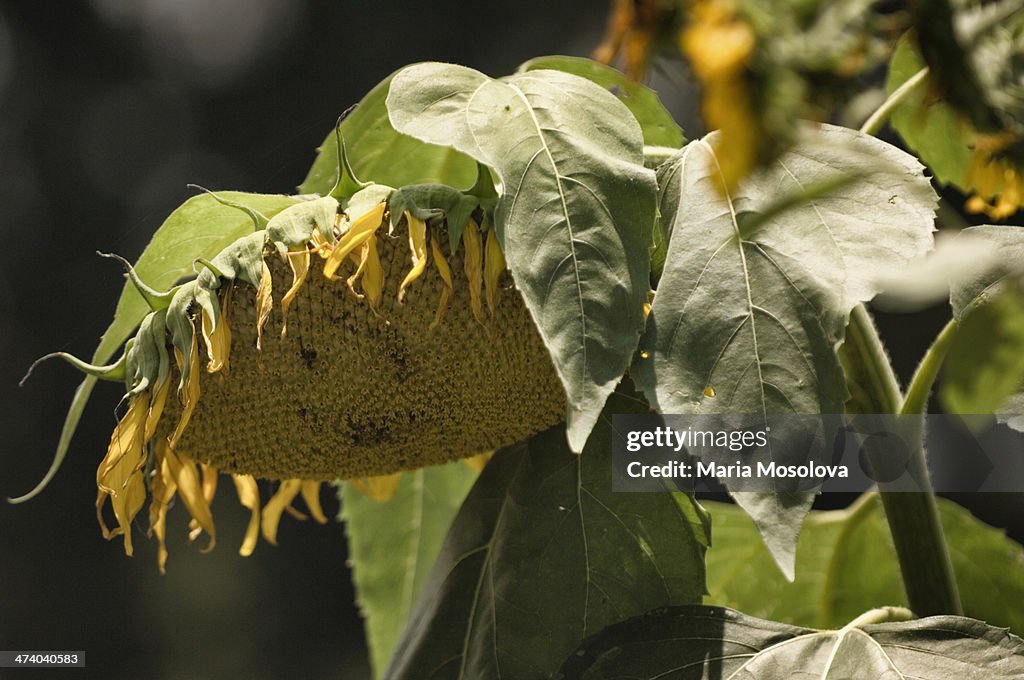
913,517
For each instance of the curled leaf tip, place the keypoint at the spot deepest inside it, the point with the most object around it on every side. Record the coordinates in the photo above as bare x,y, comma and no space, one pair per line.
156,300
202,261
259,220
484,185
114,372
347,182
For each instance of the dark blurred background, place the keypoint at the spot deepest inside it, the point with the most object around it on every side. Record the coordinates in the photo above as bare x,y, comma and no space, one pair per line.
108,108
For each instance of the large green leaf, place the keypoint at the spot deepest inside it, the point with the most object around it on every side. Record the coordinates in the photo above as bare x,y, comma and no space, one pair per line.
544,553
985,282
575,212
200,227
984,371
658,126
393,546
985,365
927,124
381,155
757,285
710,643
846,563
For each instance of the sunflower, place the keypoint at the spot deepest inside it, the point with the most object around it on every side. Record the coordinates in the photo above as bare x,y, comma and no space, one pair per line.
331,344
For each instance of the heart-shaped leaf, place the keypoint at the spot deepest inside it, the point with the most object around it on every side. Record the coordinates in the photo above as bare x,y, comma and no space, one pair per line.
380,154
575,211
658,126
711,643
758,284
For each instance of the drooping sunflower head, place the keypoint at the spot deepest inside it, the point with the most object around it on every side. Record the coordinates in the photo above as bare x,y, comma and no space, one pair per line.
334,343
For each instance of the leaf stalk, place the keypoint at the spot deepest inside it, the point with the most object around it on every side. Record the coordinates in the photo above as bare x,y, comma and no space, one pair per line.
877,119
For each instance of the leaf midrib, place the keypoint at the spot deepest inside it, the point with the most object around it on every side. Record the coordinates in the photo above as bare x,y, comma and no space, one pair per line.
738,236
559,179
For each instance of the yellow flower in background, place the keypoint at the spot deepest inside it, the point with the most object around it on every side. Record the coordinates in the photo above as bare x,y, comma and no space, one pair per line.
633,30
997,183
718,44
374,358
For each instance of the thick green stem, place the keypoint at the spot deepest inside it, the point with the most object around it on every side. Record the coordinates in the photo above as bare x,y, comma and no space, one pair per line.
913,517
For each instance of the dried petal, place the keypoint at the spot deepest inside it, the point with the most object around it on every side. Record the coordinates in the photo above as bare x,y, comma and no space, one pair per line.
474,267
494,267
209,490
249,497
183,470
217,334
277,504
360,230
310,491
299,263
446,277
264,304
417,249
189,396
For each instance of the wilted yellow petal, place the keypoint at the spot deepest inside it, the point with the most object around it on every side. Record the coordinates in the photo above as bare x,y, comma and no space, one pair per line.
264,304
373,275
162,489
156,409
360,260
189,396
310,491
218,337
320,244
380,488
249,497
209,490
183,470
119,475
360,230
277,504
477,462
383,487
446,276
299,263
126,446
494,266
473,265
417,249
